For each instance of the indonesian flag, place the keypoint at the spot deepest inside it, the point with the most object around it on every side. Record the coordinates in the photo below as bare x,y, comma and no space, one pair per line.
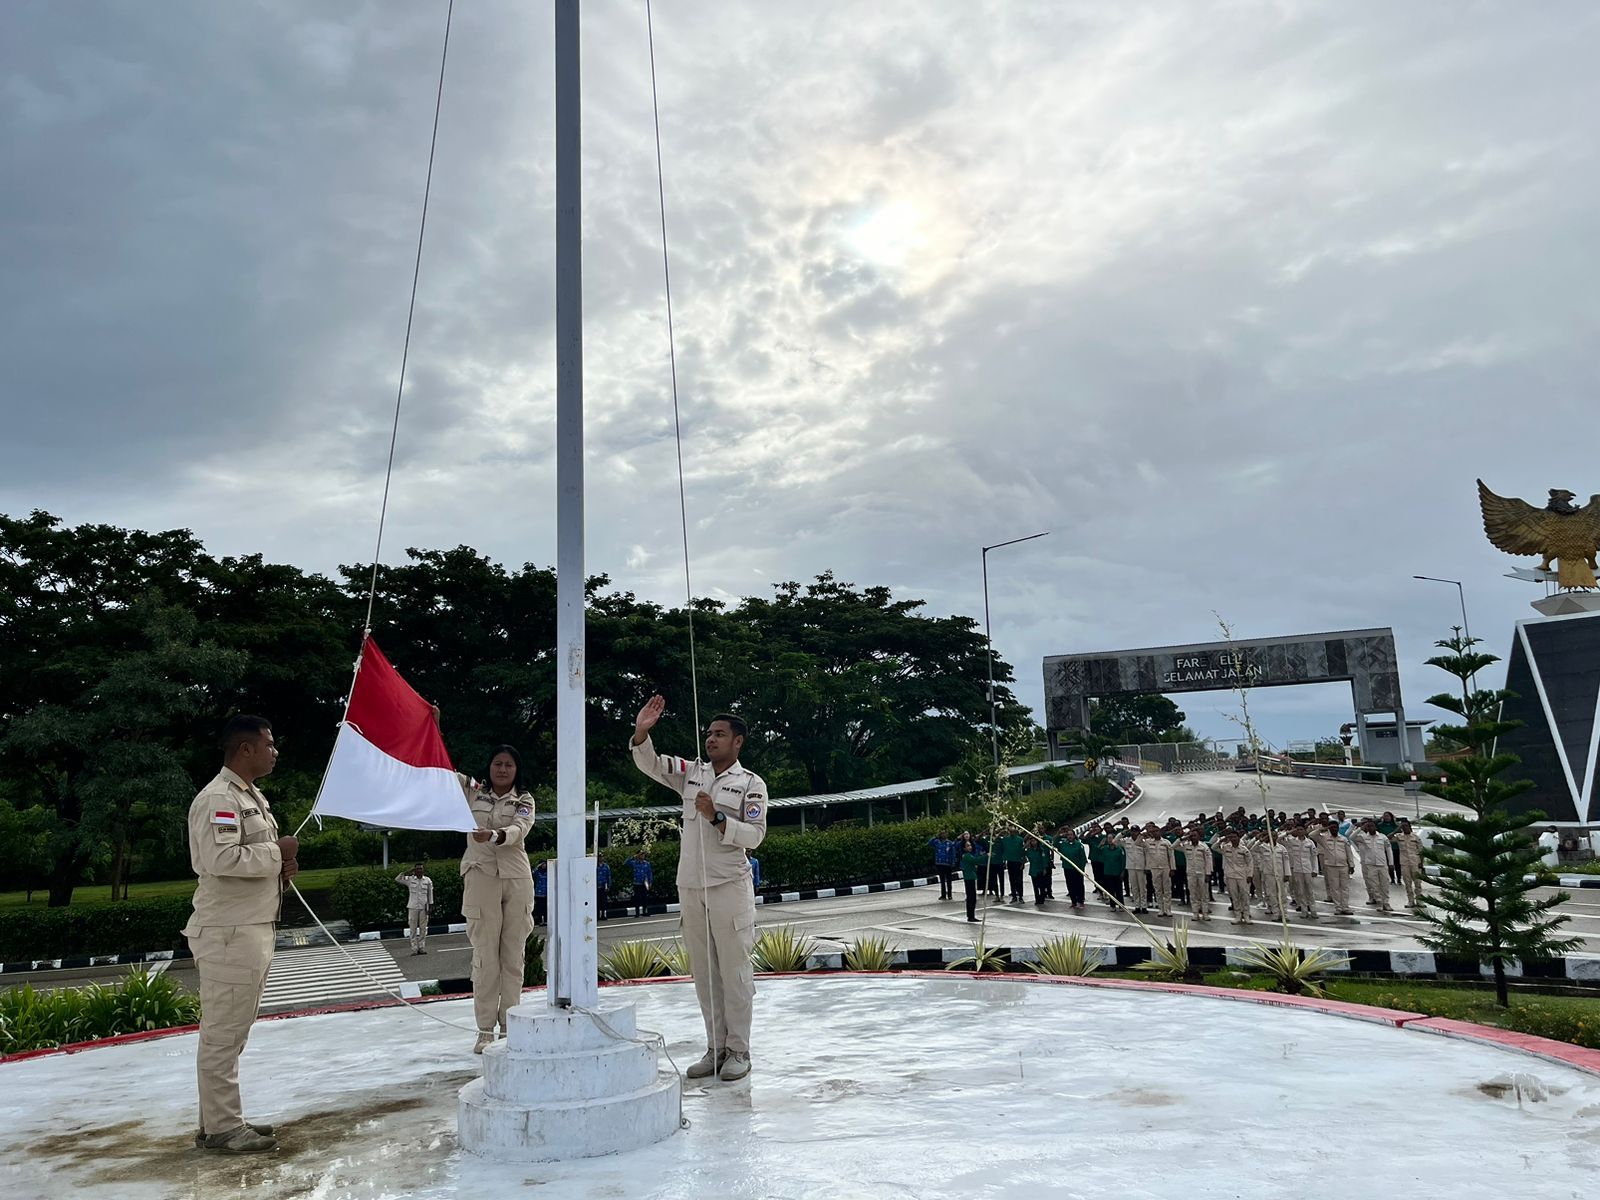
389,765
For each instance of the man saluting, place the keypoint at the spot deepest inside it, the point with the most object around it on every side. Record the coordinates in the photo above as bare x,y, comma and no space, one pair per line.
724,814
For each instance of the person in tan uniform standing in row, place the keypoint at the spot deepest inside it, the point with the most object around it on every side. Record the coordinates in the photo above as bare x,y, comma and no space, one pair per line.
1410,862
724,814
1338,864
1138,878
1197,865
242,865
1372,848
497,890
1161,861
1236,871
1302,868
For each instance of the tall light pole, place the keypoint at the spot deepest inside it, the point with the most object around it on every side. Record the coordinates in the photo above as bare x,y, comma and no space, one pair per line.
1462,593
988,637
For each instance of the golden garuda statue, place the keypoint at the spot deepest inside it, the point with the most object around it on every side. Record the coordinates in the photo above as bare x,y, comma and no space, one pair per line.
1560,530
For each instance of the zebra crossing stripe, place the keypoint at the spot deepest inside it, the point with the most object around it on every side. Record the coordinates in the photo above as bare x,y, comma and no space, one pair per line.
324,973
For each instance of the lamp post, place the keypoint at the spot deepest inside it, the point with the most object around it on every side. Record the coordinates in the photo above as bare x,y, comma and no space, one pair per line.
1462,593
988,637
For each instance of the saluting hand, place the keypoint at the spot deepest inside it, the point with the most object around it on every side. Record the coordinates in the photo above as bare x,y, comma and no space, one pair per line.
648,716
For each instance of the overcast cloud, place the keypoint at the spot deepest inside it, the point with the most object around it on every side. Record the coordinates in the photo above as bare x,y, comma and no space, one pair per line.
1235,299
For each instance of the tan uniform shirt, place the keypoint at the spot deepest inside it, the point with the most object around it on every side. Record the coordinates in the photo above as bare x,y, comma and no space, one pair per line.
1196,857
421,890
233,848
1235,861
1134,850
511,814
1302,855
1159,855
1410,848
738,794
1335,853
1373,848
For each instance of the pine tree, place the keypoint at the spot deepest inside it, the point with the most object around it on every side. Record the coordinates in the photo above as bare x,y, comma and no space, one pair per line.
1484,909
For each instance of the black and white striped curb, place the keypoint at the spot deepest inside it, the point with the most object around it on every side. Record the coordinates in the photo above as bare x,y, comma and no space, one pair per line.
92,960
1583,968
655,910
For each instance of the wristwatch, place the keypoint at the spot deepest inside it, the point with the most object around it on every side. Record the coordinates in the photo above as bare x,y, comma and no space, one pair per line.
719,818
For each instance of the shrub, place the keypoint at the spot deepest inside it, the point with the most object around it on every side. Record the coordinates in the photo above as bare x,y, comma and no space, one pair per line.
982,958
675,958
780,948
34,1020
1170,960
870,954
631,960
369,898
1068,955
1292,969
533,969
125,927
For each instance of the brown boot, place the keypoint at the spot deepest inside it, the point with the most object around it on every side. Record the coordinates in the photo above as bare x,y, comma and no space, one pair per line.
243,1140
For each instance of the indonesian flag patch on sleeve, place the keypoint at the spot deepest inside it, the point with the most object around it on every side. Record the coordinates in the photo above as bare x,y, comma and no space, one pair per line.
228,820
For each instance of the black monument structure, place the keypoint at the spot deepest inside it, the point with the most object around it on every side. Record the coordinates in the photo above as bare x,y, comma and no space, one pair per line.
1553,676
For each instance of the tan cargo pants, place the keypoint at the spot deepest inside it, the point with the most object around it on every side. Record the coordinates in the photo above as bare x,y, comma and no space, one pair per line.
1300,889
1377,881
1161,884
1337,880
1199,894
417,927
1239,894
232,962
499,913
1139,888
724,980
1411,878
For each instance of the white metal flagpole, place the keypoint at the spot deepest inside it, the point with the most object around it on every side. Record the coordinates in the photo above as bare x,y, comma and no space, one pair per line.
572,923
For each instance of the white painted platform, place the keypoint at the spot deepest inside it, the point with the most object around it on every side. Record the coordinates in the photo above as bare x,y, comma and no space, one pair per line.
863,1087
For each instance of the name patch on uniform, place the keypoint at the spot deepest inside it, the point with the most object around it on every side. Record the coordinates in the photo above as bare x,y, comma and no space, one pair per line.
231,820
752,812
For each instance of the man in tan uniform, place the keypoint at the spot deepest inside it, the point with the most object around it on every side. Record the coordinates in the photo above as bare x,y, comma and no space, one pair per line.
497,891
1160,860
1410,862
242,864
1338,864
1372,848
1302,868
1197,865
419,900
1236,869
1138,877
724,814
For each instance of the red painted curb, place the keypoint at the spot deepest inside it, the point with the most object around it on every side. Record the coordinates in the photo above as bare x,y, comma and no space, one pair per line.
1549,1049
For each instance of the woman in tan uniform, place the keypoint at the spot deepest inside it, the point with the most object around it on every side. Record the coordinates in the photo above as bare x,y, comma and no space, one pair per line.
497,890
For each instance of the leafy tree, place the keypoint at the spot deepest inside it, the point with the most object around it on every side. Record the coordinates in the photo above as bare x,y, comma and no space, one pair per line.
1484,909
1142,718
108,764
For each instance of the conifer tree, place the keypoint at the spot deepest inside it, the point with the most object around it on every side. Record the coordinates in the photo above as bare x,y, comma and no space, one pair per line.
1484,908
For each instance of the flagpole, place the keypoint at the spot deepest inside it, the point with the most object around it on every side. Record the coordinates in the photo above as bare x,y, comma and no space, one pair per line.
572,924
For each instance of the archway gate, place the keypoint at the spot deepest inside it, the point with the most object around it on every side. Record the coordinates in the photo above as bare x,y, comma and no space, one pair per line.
1364,657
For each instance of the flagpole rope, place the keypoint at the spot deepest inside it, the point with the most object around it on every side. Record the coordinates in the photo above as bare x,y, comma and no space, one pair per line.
411,312
683,504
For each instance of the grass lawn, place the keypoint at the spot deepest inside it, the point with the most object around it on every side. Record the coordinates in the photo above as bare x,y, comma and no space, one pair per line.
101,893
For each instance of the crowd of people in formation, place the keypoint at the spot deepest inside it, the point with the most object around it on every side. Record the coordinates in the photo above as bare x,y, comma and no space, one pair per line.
1251,860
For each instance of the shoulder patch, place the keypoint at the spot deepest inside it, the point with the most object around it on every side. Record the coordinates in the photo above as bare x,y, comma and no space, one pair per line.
752,811
225,817
524,809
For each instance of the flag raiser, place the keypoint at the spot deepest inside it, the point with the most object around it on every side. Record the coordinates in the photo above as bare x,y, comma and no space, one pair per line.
389,766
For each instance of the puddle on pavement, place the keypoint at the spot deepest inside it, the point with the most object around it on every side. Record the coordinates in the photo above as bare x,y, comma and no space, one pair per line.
418,1133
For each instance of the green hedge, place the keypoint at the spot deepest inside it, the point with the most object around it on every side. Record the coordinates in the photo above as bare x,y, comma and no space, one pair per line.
126,927
369,898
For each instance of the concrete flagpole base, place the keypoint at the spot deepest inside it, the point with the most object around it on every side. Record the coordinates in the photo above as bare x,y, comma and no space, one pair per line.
561,1087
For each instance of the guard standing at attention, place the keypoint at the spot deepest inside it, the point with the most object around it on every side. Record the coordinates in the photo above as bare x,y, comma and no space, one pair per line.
724,814
418,902
497,890
242,865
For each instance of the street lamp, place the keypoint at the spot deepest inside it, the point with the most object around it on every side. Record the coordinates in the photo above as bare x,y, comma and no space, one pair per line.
988,637
1460,591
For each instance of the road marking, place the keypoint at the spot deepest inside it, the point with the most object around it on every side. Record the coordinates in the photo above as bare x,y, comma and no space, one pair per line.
322,974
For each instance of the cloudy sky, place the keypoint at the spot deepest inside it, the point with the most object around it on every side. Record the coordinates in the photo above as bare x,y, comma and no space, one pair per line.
1235,299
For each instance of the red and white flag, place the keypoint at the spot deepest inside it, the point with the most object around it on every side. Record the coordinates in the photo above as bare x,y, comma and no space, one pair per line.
389,765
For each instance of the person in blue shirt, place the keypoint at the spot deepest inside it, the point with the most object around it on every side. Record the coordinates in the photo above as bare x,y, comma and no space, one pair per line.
541,888
946,857
602,888
755,871
643,877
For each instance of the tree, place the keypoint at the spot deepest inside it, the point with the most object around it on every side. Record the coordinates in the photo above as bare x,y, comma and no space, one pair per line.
108,764
1484,908
1139,718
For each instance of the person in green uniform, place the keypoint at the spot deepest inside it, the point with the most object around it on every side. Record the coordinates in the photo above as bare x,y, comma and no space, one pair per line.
971,864
1074,862
1012,852
1039,863
1116,872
